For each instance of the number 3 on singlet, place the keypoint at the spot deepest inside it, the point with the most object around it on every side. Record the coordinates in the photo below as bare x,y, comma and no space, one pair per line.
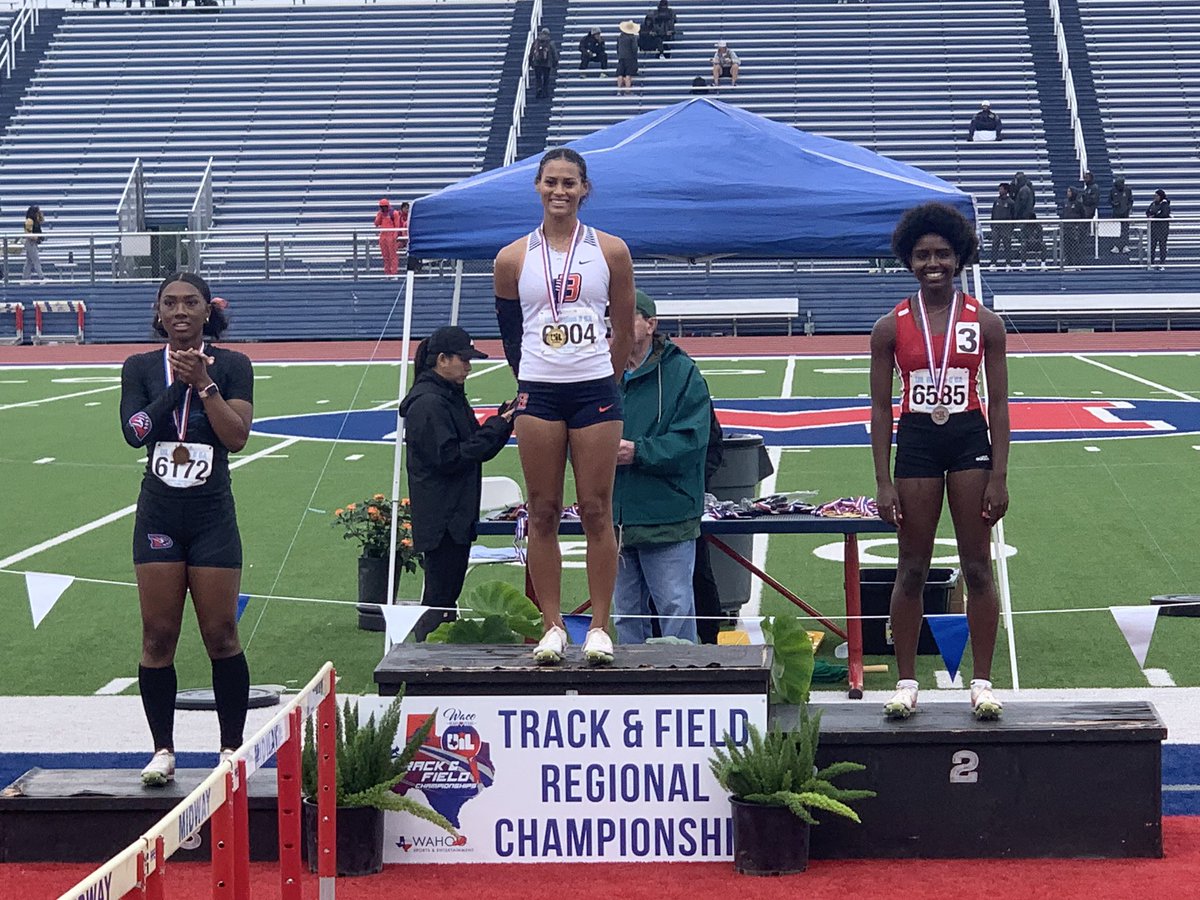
966,337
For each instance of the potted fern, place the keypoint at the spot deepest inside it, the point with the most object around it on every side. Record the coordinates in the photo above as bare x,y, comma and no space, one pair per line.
367,771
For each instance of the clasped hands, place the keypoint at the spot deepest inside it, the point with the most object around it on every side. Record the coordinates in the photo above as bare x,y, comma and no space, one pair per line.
191,367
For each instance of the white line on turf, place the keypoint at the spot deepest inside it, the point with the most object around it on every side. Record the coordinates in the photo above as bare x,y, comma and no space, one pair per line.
944,682
354,457
111,387
1159,677
1138,378
43,460
115,686
758,554
122,513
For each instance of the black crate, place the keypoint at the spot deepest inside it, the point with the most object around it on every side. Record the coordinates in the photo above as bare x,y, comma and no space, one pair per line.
876,591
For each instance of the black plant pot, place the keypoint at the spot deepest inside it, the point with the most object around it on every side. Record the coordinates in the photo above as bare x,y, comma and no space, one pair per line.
768,840
372,591
359,839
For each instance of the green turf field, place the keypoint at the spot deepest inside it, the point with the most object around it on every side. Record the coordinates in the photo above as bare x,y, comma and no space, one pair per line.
1111,525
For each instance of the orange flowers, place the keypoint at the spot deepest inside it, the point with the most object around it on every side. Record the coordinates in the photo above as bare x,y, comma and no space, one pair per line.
370,523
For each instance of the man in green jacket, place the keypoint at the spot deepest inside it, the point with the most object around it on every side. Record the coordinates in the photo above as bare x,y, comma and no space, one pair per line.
658,497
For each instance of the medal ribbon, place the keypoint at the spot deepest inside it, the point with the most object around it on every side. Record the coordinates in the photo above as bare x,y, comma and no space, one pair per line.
179,415
927,337
556,303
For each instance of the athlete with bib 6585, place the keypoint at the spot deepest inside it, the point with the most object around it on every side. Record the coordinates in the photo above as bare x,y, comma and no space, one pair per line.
937,339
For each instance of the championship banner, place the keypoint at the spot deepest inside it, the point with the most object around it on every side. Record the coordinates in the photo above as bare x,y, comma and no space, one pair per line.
568,778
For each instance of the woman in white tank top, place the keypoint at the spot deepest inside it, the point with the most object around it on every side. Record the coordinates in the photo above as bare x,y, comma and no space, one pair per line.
552,288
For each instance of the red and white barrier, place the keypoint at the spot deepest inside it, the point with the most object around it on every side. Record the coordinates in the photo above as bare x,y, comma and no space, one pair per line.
42,308
17,310
222,798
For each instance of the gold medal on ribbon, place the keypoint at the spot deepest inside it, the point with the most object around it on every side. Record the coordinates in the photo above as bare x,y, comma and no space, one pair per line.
180,455
554,336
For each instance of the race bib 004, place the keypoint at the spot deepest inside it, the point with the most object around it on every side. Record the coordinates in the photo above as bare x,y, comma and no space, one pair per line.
922,396
571,333
179,464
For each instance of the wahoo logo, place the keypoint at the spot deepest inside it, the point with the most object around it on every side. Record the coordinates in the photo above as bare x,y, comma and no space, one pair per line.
194,816
101,890
160,541
822,421
141,424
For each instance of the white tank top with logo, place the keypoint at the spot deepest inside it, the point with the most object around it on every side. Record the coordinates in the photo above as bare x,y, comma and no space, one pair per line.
572,346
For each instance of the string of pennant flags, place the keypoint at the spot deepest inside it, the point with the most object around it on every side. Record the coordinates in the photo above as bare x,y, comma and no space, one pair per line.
950,630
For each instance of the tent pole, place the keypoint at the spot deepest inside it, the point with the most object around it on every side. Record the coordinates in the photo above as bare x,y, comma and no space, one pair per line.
998,545
454,302
398,451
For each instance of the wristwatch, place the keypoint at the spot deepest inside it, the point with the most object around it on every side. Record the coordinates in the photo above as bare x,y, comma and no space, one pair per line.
206,392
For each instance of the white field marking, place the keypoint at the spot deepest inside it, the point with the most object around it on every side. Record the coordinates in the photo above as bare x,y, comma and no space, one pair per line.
121,513
1183,788
15,381
1138,378
1018,393
1196,446
354,457
43,460
111,387
263,377
322,402
944,682
855,371
1098,393
758,547
88,379
92,403
276,456
1090,449
1159,677
116,686
708,373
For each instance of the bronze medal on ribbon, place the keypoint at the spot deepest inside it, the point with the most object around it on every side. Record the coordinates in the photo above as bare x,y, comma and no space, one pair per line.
554,336
940,415
180,455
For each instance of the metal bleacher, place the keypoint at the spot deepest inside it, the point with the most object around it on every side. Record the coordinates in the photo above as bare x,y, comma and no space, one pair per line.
311,114
901,78
1145,61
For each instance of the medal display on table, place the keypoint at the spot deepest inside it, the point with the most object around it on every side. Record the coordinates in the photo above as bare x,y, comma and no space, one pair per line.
940,414
555,336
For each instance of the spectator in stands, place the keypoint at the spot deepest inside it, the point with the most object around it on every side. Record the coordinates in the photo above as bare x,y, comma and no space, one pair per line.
447,447
1023,200
1159,211
1089,196
725,62
402,235
658,496
1072,234
985,125
648,40
592,50
1121,199
1003,212
387,220
664,27
627,51
33,229
543,56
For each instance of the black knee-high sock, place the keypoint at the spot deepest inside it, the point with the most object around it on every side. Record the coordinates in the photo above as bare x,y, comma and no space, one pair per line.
158,700
231,690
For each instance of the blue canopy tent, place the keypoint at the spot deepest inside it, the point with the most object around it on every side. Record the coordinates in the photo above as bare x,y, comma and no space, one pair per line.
699,178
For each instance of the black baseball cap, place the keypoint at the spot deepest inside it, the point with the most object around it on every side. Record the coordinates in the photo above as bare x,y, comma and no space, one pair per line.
454,341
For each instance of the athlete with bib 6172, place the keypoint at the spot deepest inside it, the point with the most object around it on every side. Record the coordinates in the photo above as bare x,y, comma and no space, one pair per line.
937,340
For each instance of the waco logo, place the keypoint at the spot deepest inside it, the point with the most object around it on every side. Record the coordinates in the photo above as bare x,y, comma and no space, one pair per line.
824,422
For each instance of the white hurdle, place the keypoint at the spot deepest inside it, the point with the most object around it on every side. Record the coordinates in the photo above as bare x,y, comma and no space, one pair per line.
138,870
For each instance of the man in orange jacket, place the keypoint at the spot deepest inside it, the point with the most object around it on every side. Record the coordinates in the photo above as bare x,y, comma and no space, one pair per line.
388,219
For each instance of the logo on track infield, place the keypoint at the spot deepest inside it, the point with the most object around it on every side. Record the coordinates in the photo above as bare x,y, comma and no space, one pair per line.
822,422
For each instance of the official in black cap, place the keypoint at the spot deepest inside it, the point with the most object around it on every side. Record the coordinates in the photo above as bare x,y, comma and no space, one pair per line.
447,448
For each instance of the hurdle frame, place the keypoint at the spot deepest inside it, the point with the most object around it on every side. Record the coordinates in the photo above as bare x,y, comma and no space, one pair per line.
44,307
18,311
222,799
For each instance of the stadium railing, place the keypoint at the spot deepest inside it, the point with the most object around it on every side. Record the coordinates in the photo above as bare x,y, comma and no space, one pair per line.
138,870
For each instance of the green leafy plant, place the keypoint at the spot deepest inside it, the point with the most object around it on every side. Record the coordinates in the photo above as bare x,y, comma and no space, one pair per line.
370,523
777,769
367,767
495,612
792,665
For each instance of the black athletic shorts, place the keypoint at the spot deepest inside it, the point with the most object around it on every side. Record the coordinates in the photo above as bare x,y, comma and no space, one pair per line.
200,531
579,403
926,450
626,68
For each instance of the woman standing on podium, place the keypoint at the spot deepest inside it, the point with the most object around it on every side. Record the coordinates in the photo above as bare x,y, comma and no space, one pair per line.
553,288
189,405
937,339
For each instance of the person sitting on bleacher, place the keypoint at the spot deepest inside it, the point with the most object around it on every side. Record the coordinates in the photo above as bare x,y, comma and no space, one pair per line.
725,62
985,125
664,27
648,40
591,49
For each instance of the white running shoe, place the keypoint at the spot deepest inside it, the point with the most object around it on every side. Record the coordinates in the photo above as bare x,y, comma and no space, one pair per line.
903,703
160,771
226,754
984,704
552,648
598,648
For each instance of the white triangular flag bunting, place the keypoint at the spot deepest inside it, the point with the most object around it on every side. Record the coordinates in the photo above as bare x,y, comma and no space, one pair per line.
1137,624
44,590
752,625
401,620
